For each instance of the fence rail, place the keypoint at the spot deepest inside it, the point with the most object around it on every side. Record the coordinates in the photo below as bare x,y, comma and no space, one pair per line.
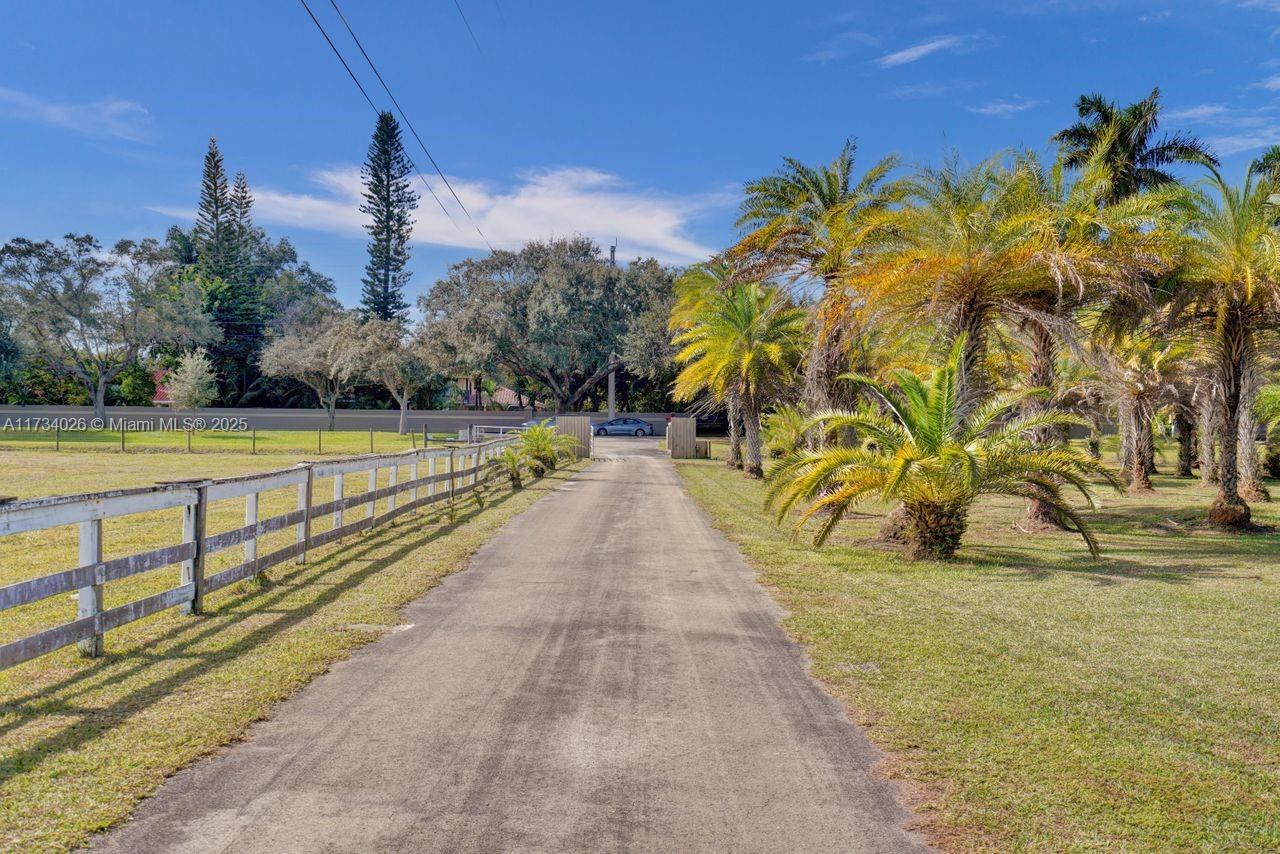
450,472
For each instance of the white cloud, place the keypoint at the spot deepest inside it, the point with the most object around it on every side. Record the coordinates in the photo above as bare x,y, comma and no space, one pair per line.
548,203
923,49
111,117
1246,140
929,89
1001,107
839,46
1199,113
1272,83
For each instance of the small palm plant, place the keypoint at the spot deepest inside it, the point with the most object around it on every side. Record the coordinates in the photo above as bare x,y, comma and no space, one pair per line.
783,430
512,460
544,448
916,449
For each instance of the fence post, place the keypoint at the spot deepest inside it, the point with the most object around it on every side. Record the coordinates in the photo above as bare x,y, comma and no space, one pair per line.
253,441
452,470
371,440
319,443
193,521
413,476
122,435
89,599
57,437
431,484
339,492
251,518
391,499
426,440
302,533
370,508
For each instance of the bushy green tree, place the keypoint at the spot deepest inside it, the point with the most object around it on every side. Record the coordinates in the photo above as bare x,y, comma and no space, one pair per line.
90,314
193,383
555,313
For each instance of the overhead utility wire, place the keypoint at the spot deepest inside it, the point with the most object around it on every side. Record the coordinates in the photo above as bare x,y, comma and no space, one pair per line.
359,86
468,23
408,123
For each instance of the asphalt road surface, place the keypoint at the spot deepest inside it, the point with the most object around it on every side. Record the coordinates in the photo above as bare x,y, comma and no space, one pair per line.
606,676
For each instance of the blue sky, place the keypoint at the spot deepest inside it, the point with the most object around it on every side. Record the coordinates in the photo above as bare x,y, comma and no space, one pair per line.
634,121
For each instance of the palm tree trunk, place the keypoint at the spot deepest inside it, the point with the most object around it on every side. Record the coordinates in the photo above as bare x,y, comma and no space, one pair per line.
1207,412
1234,359
735,436
1185,428
754,464
1251,485
971,382
1043,373
1095,435
1143,450
934,531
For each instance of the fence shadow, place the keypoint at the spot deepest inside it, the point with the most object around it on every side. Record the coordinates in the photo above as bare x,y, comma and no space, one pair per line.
89,722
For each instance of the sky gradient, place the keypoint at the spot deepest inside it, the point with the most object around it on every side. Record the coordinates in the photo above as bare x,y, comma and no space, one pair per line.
637,122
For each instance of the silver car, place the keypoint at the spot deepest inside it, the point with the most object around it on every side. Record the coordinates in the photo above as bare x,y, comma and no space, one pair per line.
623,427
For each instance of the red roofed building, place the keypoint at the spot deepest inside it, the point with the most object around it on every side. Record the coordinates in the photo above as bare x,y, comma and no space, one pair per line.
161,379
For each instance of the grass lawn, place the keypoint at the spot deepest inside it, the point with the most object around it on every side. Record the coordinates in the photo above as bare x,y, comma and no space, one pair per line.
1039,699
308,443
81,741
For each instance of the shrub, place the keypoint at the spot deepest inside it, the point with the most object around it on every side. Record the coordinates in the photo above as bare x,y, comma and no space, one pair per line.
544,448
919,450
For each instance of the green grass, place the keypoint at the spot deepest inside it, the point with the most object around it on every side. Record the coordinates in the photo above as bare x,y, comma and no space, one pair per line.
307,442
1038,699
81,741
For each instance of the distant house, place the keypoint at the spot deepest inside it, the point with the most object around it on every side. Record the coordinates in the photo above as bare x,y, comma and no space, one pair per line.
476,397
160,377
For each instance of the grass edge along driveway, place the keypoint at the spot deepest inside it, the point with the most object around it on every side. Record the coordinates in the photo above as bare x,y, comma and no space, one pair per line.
1037,700
81,742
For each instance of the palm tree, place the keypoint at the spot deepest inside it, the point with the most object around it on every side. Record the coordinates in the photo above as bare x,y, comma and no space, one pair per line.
813,225
1137,375
1125,138
694,289
743,346
1087,250
1234,271
920,449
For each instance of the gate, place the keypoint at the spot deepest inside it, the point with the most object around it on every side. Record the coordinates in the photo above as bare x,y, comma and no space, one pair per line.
579,427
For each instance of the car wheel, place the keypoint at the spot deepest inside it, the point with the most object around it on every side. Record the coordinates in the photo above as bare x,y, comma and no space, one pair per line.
602,432
640,432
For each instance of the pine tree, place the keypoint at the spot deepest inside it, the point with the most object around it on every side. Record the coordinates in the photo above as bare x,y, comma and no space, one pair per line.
241,205
214,234
223,242
389,201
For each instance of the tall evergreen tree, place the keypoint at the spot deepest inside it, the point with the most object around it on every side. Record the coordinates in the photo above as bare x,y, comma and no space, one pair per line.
241,205
388,201
224,243
214,234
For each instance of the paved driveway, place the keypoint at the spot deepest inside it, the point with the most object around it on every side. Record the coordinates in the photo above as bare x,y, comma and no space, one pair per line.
606,676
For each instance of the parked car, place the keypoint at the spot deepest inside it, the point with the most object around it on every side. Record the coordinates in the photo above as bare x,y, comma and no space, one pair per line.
713,422
623,427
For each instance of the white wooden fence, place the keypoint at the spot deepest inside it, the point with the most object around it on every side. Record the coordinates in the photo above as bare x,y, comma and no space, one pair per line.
449,473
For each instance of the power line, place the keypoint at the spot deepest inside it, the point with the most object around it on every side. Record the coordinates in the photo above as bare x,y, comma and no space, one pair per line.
337,53
360,86
468,23
408,123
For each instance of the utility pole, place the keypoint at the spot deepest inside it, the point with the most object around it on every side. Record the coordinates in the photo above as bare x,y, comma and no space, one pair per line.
613,357
613,389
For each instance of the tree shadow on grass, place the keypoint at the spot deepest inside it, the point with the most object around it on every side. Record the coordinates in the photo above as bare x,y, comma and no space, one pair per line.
116,667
